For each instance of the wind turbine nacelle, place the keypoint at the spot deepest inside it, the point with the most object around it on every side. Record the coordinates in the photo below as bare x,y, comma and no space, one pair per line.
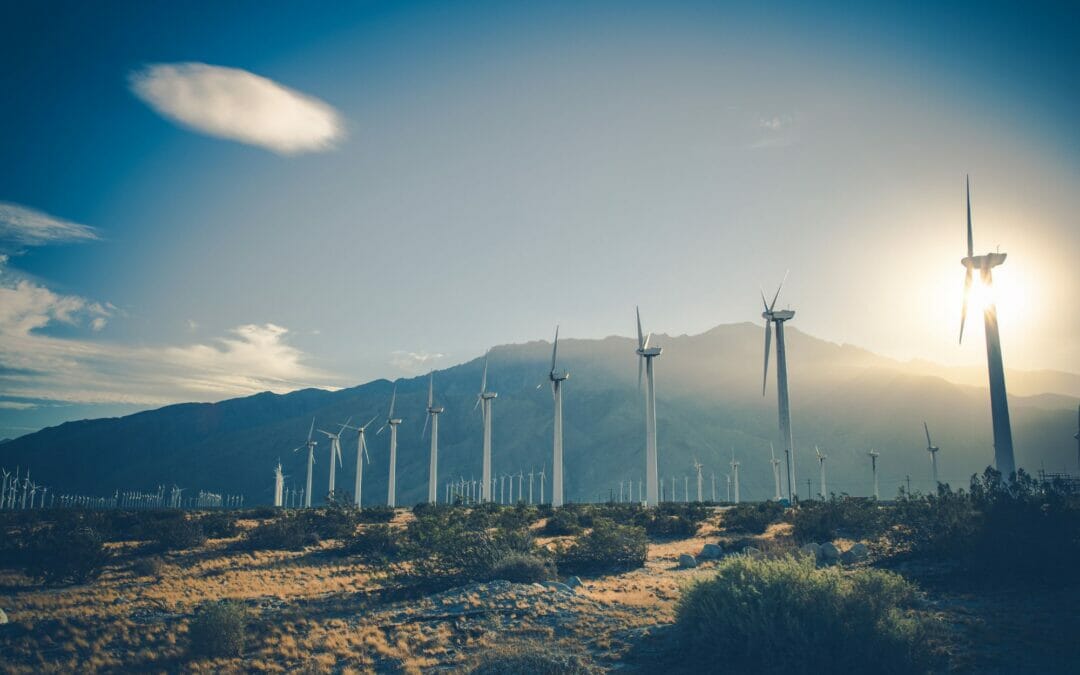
488,395
394,422
779,315
650,352
984,261
558,377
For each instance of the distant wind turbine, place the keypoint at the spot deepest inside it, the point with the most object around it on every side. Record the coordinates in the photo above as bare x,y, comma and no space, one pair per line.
484,401
433,412
646,354
361,456
279,485
735,474
874,454
543,469
557,378
933,450
999,403
697,467
821,462
778,317
310,445
775,470
335,454
392,422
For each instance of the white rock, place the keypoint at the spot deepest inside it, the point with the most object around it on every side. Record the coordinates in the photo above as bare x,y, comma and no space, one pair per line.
687,561
573,582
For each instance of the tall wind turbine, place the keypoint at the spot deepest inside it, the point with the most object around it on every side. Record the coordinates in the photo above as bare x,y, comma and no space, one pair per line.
310,445
392,422
557,378
735,474
874,454
697,467
279,485
484,401
543,474
433,412
933,450
821,462
646,354
361,457
335,454
999,404
775,471
778,317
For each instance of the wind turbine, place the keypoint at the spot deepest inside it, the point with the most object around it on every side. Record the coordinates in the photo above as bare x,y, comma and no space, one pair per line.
874,454
714,487
532,474
728,476
1077,434
335,453
933,450
392,422
646,354
778,317
735,473
310,445
999,404
775,470
433,412
821,462
557,378
361,456
484,401
697,467
543,473
3,487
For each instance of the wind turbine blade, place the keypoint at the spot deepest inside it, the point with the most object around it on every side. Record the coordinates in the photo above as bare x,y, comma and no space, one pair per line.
337,449
772,449
347,420
768,345
380,430
483,378
928,442
312,429
764,302
640,335
370,422
971,239
424,430
640,366
393,399
478,399
363,445
431,389
773,304
963,307
554,349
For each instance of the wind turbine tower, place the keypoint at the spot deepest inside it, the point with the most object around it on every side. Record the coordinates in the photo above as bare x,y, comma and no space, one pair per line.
646,354
361,455
279,485
775,471
778,317
697,467
874,454
933,450
310,445
335,454
821,462
999,404
433,412
735,474
392,422
484,401
557,378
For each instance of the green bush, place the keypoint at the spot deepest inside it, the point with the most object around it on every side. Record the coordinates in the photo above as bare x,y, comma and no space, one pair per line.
149,566
445,549
178,533
752,518
530,658
336,521
287,533
375,543
523,568
786,615
562,521
607,548
839,516
218,630
60,555
219,525
375,514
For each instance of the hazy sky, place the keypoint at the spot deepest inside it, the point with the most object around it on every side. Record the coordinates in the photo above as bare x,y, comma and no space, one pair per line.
199,202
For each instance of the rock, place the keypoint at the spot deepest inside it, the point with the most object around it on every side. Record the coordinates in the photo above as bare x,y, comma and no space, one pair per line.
752,552
811,549
855,554
829,552
711,552
687,561
558,586
3,618
573,582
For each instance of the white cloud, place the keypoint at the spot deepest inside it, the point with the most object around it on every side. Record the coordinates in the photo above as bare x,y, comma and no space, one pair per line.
17,405
238,105
33,365
775,123
21,226
414,363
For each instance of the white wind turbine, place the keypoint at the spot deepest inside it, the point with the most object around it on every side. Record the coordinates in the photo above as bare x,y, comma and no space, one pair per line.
310,445
484,401
433,412
714,487
933,450
821,462
335,453
775,470
392,422
3,487
543,470
532,474
557,378
697,467
874,454
735,473
279,485
646,354
778,317
361,457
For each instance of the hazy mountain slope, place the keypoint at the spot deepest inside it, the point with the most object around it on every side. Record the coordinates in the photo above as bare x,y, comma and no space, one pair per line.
709,388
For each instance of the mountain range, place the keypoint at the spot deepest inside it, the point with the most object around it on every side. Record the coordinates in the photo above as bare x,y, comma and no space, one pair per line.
845,400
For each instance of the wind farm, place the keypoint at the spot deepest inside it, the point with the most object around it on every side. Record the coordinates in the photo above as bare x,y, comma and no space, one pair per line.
266,274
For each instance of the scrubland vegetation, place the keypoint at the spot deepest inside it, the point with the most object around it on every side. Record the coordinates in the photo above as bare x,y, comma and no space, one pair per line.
337,588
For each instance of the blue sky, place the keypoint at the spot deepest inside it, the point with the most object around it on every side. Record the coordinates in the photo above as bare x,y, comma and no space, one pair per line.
377,189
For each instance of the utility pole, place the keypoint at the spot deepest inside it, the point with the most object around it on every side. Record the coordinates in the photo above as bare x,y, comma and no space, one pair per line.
908,479
809,495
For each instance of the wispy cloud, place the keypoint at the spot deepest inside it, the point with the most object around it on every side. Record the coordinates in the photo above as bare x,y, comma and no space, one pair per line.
17,405
775,123
34,365
414,363
238,105
22,226
777,131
